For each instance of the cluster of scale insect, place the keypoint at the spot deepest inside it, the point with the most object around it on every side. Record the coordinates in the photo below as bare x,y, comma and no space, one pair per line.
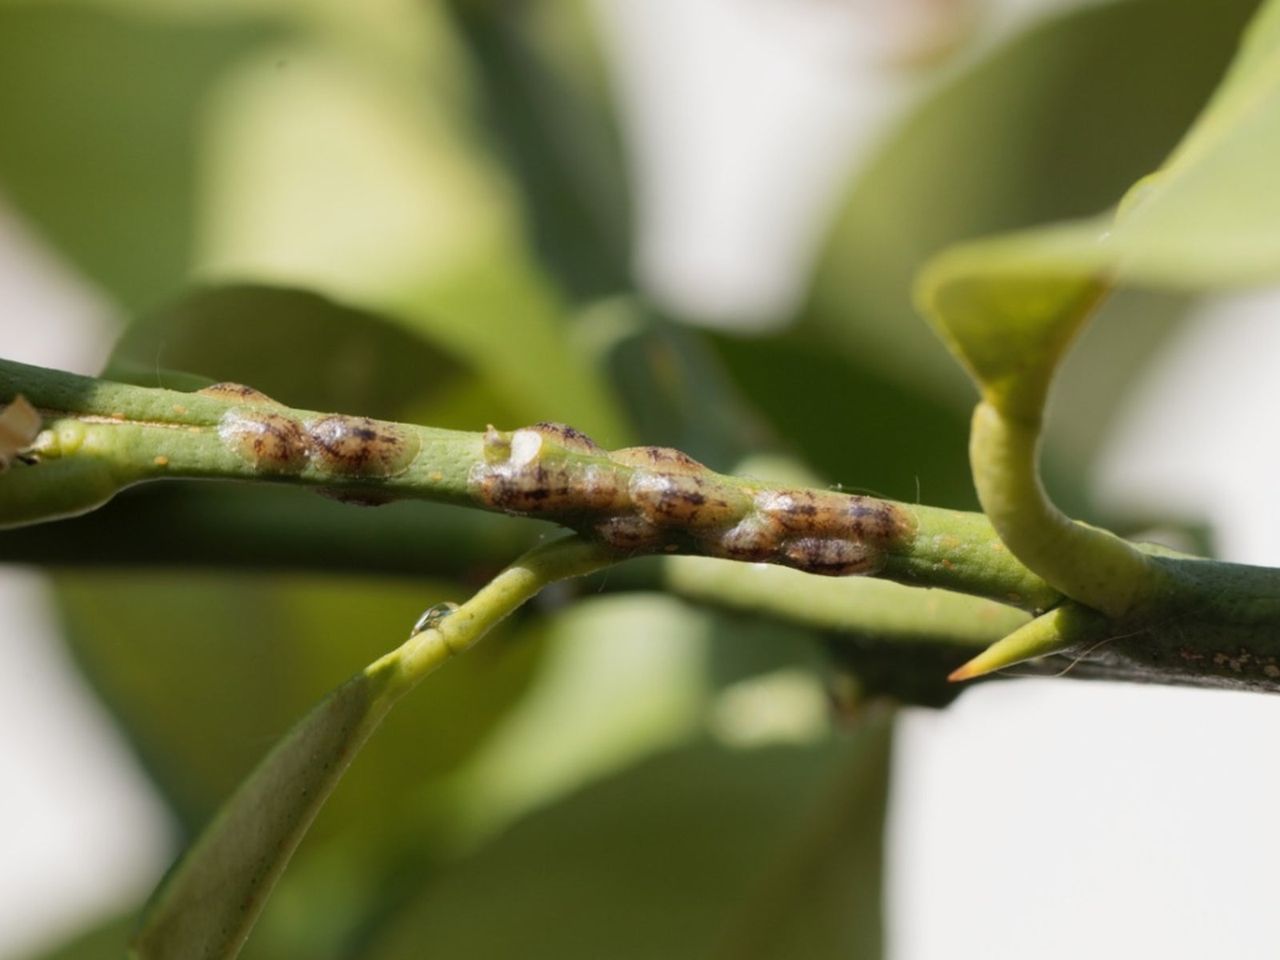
259,431
655,499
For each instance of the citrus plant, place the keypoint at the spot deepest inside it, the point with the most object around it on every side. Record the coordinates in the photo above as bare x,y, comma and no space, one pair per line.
648,534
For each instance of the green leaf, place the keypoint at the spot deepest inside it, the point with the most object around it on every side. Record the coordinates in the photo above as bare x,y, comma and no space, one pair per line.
821,897
275,529
702,852
556,134
1009,308
1055,123
101,113
203,671
853,424
427,228
674,388
506,319
208,903
298,347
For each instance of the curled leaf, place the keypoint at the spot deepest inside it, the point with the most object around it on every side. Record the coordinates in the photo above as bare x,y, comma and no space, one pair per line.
1009,308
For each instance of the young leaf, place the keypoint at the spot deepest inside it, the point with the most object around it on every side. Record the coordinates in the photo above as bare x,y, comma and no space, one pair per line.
207,905
1009,308
200,707
1055,123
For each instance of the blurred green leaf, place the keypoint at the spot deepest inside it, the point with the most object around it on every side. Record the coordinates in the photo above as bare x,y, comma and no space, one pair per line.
298,347
822,896
554,127
102,114
1056,123
674,388
275,528
105,940
621,678
1009,306
207,904
210,900
204,673
407,214
854,425
678,857
505,318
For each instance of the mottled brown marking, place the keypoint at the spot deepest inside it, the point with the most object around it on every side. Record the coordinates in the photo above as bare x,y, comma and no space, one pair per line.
659,499
237,393
664,459
271,442
628,533
360,446
685,500
830,558
529,471
748,540
602,488
534,488
824,513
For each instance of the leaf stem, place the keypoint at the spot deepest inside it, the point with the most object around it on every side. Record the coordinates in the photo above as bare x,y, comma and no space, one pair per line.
209,902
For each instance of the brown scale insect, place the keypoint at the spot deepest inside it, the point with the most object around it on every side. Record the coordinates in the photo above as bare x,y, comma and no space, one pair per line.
828,514
748,540
831,558
535,489
629,532
236,392
527,471
360,446
272,442
601,489
545,470
661,459
685,499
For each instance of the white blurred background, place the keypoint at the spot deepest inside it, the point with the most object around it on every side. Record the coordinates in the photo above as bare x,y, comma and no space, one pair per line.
1033,819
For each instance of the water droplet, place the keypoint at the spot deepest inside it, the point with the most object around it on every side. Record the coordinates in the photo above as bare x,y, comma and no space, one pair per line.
433,617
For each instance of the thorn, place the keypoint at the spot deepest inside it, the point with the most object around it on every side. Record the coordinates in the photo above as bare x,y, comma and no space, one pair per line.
1061,628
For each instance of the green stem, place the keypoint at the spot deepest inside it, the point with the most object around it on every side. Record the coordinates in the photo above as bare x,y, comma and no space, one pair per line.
561,559
1192,620
1092,566
209,902
101,437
